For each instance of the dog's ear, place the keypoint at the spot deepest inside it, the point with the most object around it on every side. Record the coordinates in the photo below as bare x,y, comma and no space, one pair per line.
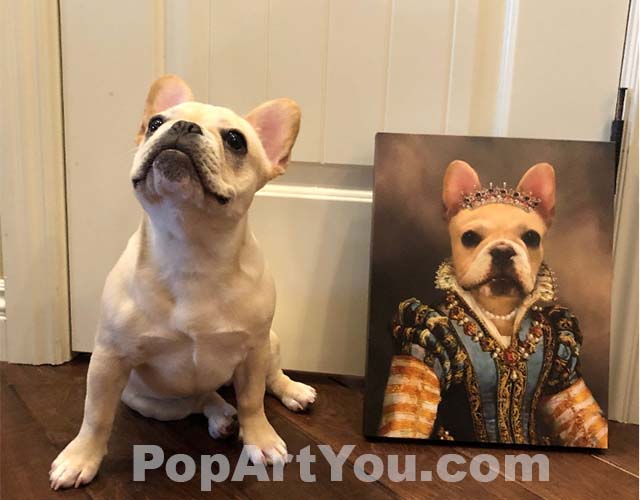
540,181
165,92
459,180
277,123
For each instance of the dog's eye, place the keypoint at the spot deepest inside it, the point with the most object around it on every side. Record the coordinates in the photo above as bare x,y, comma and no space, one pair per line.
531,239
471,239
155,123
235,140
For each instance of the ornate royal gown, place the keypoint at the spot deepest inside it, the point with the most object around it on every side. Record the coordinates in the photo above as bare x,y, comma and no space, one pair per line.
452,379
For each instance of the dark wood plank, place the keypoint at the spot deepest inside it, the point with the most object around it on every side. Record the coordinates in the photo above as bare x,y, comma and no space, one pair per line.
42,410
75,371
59,406
572,474
337,418
29,453
25,452
623,447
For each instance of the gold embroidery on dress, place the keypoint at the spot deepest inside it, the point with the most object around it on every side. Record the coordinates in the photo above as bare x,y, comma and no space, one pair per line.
518,384
510,363
475,403
549,349
503,398
444,435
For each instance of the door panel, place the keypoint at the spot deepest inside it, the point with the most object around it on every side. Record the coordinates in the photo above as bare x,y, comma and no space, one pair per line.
566,73
103,95
446,66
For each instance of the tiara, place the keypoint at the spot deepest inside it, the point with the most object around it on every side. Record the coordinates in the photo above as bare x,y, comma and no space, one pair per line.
508,196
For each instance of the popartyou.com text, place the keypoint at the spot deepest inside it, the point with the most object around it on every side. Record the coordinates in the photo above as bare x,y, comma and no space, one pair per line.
368,467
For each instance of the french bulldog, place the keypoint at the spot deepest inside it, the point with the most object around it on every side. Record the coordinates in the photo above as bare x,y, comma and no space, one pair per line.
189,304
497,249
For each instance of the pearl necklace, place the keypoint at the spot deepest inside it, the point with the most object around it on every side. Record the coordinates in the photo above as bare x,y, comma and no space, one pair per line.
499,317
514,354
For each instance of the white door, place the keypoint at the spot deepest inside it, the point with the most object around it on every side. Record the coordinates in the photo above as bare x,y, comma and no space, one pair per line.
540,68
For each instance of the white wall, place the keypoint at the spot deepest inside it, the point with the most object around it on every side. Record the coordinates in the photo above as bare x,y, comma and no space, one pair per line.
356,67
32,199
444,66
623,381
105,80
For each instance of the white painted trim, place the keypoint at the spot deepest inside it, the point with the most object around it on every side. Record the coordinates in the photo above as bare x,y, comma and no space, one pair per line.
507,62
32,205
630,66
629,79
387,62
452,53
3,319
3,303
159,22
315,193
623,382
462,60
317,248
325,70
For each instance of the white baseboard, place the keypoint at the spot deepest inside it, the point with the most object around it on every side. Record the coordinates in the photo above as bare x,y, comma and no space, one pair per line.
316,241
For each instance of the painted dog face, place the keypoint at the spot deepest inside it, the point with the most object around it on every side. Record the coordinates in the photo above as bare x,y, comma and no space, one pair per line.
497,248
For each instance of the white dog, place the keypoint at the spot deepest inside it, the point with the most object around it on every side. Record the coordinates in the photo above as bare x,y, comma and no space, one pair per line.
188,306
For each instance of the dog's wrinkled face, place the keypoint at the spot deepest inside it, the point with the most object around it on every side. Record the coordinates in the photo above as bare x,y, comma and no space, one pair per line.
206,161
497,249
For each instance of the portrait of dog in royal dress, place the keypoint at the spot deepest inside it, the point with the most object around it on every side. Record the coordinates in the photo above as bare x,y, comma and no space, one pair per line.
497,356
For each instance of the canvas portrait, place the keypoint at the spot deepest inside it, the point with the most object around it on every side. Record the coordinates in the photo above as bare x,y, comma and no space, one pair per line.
490,290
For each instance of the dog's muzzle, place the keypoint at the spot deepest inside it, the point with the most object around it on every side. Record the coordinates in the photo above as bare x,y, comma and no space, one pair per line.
502,255
503,278
173,164
173,158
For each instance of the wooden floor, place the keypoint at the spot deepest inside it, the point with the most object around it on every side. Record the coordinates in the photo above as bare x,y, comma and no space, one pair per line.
41,410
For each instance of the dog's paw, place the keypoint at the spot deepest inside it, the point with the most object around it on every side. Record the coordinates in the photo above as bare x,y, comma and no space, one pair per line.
298,396
222,421
263,444
77,464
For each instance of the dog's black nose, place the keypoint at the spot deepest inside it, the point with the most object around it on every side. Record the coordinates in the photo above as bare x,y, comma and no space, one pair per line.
502,254
183,127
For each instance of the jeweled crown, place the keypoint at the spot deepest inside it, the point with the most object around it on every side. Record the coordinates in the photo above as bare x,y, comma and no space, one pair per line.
508,196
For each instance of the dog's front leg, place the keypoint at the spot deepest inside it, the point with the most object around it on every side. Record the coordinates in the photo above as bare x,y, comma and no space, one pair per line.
263,443
78,463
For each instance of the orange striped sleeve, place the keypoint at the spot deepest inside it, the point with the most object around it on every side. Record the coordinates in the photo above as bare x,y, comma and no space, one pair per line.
576,418
411,399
